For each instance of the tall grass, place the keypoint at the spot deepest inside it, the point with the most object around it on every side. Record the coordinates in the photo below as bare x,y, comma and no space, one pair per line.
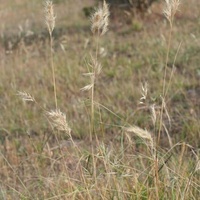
99,26
132,165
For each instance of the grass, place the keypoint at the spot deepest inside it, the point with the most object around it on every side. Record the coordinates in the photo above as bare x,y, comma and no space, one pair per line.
38,162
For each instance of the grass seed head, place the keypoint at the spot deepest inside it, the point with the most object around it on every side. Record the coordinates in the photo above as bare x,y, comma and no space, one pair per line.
170,9
100,20
153,114
144,134
144,91
58,120
87,87
25,96
94,64
49,16
97,67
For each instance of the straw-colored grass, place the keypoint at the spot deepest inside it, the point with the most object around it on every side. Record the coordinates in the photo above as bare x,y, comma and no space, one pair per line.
136,136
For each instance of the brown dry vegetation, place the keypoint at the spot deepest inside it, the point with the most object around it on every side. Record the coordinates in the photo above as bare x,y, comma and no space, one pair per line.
39,163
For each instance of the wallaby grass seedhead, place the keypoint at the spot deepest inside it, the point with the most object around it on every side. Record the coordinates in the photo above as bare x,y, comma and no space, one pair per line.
25,96
144,92
100,20
49,16
58,120
144,134
171,9
96,68
153,114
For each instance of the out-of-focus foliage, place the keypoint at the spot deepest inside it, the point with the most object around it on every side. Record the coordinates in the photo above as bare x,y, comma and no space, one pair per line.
141,5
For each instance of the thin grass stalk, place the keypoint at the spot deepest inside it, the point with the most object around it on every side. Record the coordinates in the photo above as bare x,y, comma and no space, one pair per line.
156,177
92,105
173,68
169,12
93,83
50,22
164,85
53,71
156,168
172,6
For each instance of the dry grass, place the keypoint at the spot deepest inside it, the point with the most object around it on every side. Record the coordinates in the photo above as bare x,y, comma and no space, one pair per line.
123,161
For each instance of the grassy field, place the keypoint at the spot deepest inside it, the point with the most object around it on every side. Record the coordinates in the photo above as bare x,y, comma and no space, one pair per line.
128,149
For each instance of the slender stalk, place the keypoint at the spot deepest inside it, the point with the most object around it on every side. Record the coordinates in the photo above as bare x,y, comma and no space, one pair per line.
156,178
171,8
92,104
99,24
93,83
169,12
164,85
172,71
156,168
50,22
53,70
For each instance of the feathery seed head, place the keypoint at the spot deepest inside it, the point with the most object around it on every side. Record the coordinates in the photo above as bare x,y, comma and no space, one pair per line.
153,114
87,87
144,91
96,66
171,9
140,132
100,20
58,120
49,16
144,134
25,96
